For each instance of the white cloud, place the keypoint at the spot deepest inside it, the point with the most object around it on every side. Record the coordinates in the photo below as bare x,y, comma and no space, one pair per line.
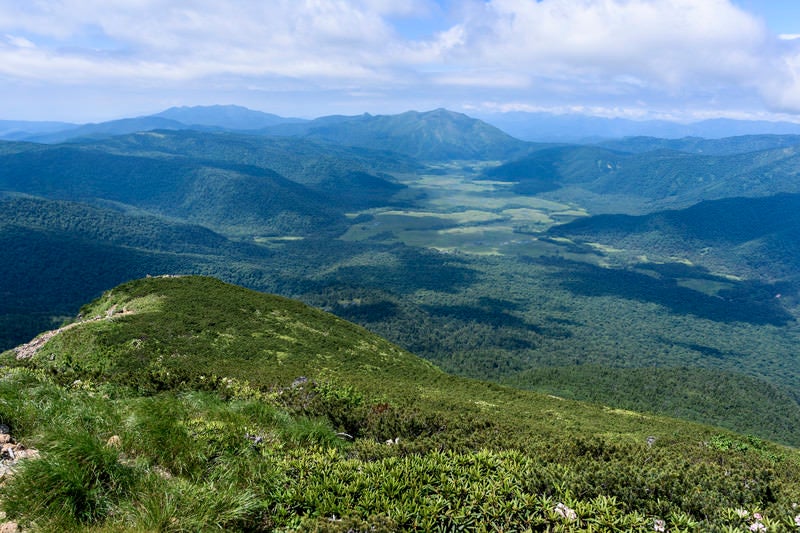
505,80
199,38
19,42
600,54
655,50
666,42
783,92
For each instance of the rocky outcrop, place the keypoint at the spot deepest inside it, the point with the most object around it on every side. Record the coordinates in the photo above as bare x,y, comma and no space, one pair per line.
11,453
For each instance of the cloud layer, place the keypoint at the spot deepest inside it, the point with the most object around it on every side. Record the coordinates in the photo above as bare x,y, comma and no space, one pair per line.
678,55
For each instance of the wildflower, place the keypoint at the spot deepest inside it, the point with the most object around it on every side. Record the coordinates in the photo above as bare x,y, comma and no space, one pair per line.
566,512
742,513
758,527
659,525
757,516
797,520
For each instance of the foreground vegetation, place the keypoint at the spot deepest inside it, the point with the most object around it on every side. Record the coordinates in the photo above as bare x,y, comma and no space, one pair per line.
185,404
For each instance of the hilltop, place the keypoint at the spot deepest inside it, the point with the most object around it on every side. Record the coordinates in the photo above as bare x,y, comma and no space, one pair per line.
186,403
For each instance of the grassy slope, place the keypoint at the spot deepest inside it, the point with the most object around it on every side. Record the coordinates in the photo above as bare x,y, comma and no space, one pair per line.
470,454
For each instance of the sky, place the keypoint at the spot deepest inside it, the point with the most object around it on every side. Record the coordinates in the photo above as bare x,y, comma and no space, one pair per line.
684,60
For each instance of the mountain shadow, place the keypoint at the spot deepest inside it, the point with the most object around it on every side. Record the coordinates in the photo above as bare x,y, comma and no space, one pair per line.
748,301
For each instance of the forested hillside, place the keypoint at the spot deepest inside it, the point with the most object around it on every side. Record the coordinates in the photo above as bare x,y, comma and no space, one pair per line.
232,198
658,176
697,145
756,237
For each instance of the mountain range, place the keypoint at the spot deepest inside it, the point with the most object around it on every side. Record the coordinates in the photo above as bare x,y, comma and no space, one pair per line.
433,135
540,127
581,128
639,181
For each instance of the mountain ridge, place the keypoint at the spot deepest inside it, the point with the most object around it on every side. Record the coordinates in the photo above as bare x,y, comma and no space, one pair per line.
170,186
438,135
756,232
582,129
229,117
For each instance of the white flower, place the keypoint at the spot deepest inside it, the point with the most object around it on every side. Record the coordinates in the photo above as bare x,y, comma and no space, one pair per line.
758,527
797,520
659,525
742,513
566,512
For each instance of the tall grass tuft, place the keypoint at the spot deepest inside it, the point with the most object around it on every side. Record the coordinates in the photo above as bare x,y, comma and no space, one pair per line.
77,480
155,430
177,505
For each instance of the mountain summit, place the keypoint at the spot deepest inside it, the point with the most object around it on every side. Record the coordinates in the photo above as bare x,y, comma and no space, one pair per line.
433,135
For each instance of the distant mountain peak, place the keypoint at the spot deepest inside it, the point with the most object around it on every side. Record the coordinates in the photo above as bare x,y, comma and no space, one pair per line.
434,135
228,116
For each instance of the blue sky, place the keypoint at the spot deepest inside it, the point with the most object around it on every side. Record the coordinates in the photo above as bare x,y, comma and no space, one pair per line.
782,16
92,60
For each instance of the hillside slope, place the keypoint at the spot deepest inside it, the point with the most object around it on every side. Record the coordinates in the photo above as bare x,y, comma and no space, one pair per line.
185,403
107,129
611,181
753,237
350,178
230,198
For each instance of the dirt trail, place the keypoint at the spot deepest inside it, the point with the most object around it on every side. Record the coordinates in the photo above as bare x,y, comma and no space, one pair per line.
28,350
